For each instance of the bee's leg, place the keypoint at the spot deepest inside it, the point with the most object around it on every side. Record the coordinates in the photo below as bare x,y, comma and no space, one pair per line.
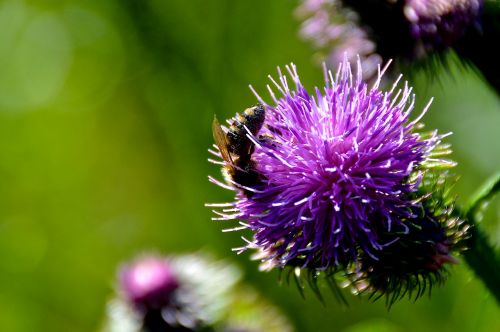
266,140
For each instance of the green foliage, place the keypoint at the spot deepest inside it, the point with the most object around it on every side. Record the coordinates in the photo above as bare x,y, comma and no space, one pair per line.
105,115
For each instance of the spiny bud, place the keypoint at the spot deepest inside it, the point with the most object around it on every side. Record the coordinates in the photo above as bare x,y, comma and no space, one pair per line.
421,247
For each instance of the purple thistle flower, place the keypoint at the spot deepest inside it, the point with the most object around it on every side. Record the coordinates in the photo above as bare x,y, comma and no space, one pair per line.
188,293
178,293
437,24
148,283
405,30
336,166
335,32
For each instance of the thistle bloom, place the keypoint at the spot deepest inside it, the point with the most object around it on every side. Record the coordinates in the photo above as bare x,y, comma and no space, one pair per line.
187,293
148,283
184,293
337,166
406,30
438,24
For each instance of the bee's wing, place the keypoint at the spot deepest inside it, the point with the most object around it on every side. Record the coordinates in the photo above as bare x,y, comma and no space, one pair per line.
221,140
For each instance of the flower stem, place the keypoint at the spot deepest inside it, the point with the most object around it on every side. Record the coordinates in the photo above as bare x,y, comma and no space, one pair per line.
473,47
485,192
482,258
484,261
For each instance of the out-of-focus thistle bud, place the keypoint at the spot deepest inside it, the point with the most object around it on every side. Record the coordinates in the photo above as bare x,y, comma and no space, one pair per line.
187,293
415,260
338,169
149,283
335,31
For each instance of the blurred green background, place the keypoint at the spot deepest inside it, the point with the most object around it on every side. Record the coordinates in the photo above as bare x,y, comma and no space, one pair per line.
105,116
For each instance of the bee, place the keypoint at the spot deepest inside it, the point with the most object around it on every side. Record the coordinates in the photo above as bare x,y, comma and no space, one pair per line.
236,148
